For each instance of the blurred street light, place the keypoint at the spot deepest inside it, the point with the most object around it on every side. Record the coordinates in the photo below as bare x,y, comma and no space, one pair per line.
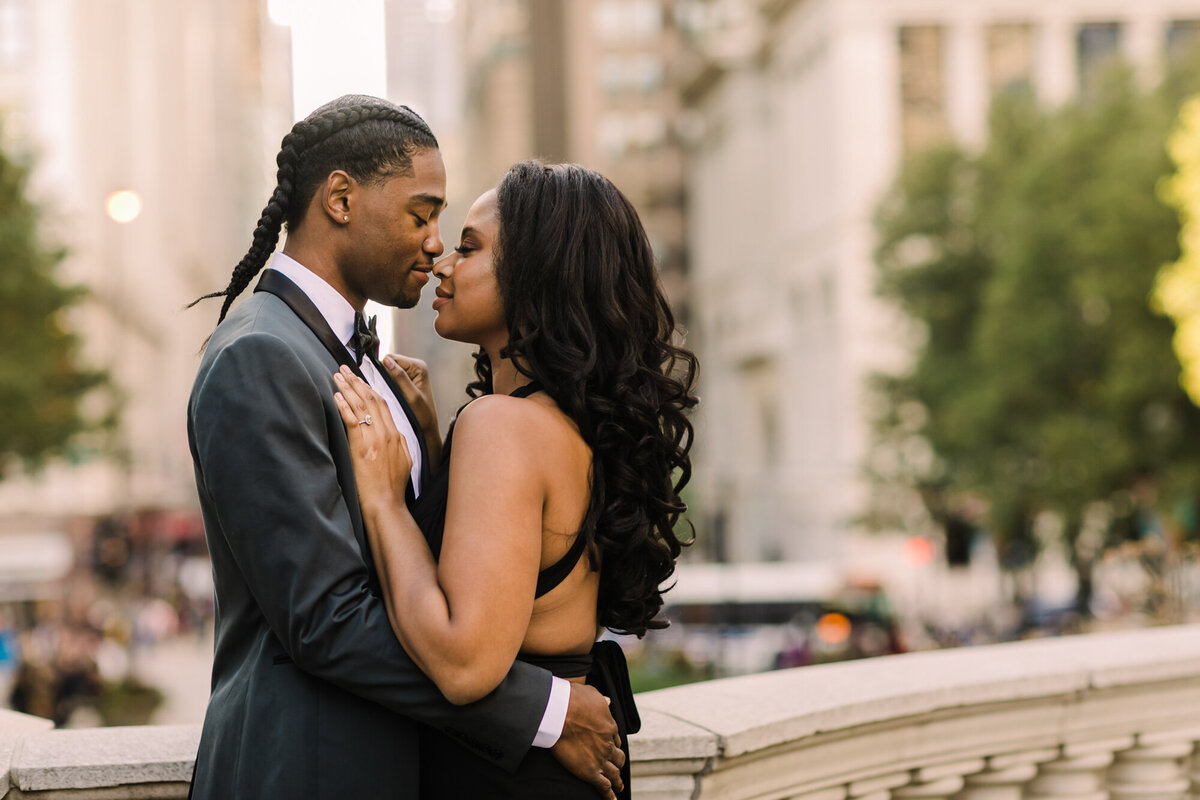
123,206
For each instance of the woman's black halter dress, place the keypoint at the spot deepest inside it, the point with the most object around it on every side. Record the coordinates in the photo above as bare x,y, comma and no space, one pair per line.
449,770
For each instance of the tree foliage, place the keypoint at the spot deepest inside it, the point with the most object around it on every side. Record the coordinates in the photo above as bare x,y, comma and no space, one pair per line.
1041,379
42,381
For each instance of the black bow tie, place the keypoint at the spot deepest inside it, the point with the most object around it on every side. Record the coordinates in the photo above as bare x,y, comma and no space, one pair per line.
364,341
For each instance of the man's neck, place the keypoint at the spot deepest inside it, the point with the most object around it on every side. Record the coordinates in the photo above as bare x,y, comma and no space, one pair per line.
321,263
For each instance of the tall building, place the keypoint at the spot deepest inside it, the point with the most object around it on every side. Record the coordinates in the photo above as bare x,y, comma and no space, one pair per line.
180,105
585,81
801,113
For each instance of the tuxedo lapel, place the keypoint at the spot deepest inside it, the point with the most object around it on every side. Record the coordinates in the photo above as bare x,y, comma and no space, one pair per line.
278,284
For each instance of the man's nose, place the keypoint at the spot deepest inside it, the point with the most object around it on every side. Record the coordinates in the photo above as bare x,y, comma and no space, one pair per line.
433,242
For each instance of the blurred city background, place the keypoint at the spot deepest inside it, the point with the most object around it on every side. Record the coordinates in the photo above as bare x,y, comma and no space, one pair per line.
937,259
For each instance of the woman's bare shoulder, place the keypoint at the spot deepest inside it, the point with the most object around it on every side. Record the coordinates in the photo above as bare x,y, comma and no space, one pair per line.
535,427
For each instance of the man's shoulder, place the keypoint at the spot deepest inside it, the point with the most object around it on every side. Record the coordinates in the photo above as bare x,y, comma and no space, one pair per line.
261,334
262,320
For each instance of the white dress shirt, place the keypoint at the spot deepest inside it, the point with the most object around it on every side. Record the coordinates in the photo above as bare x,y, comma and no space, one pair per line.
339,314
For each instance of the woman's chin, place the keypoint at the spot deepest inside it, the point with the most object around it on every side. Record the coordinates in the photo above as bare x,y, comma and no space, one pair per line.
446,330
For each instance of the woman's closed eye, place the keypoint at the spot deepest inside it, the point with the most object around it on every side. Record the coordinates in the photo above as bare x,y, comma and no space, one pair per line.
464,248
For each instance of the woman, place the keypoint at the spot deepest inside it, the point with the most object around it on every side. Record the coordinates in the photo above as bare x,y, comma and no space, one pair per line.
576,443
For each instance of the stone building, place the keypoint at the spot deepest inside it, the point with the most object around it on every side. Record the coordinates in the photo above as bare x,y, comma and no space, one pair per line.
181,104
585,81
800,112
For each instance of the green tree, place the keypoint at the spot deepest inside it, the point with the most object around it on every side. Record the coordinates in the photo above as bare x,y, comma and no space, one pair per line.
42,381
1043,381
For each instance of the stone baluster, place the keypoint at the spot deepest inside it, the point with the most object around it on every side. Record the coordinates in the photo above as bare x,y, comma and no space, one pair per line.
1078,773
879,787
1156,768
1004,776
938,782
1194,775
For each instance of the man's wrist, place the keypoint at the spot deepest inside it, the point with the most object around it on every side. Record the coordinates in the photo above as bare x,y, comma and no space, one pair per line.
555,716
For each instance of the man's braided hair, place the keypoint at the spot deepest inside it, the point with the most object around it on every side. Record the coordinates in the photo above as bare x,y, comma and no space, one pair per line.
370,139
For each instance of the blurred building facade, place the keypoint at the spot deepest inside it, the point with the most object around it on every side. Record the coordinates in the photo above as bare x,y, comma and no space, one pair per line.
183,104
800,112
585,81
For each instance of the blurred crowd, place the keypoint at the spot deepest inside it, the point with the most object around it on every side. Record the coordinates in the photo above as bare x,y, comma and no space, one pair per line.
76,660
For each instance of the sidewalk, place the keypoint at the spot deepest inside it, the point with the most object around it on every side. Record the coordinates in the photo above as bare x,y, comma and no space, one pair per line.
181,668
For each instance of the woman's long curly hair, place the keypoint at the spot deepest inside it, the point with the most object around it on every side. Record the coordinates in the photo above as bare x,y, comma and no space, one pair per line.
587,318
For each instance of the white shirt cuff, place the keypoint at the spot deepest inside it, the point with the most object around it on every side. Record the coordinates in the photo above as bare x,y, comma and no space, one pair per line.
556,713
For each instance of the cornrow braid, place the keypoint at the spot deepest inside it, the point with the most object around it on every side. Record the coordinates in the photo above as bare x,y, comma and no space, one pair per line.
371,139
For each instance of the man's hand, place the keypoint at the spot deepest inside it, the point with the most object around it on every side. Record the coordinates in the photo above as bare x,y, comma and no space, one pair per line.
590,745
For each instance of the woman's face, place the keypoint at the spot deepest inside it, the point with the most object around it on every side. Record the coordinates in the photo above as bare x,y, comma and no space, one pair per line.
467,300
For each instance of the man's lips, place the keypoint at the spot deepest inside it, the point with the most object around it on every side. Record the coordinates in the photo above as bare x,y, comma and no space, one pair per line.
424,270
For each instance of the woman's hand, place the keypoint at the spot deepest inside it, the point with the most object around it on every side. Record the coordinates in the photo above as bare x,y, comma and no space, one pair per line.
412,376
382,463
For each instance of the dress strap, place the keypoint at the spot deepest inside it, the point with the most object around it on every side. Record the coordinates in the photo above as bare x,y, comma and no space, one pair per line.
532,387
557,572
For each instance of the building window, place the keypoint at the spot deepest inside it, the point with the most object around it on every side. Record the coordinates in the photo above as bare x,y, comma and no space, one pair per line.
922,86
1183,36
1098,43
14,32
1010,57
622,21
638,74
620,133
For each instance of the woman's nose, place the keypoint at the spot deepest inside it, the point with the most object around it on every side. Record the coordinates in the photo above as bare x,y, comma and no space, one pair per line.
444,267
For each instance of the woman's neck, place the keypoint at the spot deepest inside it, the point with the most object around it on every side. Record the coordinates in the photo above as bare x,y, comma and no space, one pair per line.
505,377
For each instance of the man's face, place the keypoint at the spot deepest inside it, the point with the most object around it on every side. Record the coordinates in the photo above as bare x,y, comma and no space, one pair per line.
396,236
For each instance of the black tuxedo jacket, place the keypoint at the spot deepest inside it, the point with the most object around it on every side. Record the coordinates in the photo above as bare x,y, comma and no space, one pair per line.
312,696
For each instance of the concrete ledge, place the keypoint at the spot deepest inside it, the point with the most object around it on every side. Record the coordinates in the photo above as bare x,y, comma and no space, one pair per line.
760,711
100,757
13,728
821,733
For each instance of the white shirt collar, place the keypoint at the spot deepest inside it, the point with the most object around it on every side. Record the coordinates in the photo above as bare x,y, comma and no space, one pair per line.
336,309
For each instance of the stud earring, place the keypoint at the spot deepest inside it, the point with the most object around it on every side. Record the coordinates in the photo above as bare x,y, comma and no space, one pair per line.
345,219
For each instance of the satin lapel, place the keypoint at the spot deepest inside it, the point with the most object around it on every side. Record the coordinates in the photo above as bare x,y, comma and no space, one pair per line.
277,283
412,420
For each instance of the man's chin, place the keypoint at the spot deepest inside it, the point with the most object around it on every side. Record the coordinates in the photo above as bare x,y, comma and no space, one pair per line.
402,300
407,301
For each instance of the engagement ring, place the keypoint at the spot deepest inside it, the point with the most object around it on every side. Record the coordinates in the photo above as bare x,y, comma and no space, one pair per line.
366,420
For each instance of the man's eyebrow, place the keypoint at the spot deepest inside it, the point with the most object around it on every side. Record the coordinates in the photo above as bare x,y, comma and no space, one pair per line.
428,199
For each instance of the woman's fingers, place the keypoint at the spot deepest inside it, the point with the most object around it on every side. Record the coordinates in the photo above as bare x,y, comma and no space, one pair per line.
351,392
410,374
411,368
344,409
364,400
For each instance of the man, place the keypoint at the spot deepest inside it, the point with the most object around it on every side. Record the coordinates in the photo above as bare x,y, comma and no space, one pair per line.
312,696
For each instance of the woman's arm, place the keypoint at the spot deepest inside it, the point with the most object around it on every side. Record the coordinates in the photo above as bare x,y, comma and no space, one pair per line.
463,620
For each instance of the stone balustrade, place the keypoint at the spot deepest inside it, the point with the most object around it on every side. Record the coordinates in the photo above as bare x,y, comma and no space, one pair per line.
1100,717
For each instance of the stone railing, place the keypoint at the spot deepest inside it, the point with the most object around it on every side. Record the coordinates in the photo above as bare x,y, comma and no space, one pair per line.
1100,717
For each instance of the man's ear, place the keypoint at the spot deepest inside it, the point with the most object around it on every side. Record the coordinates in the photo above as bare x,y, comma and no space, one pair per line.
336,196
